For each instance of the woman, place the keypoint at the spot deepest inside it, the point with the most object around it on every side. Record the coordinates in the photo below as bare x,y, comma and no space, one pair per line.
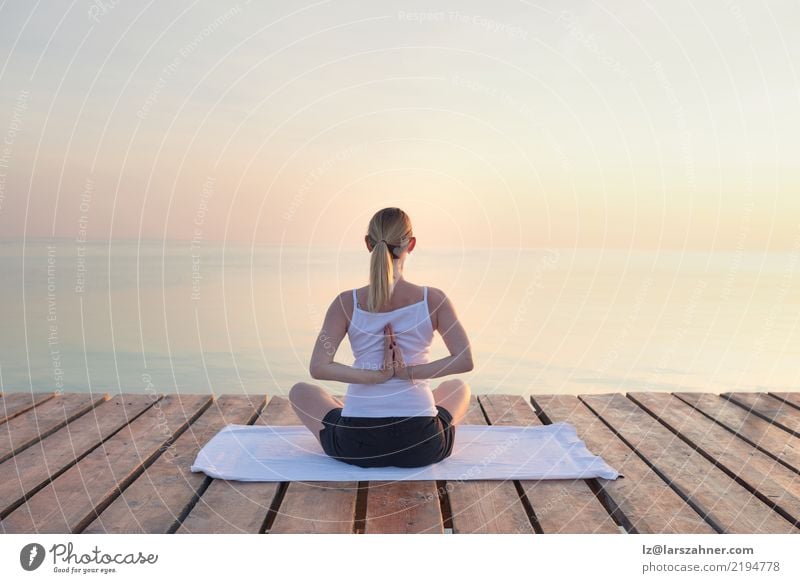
390,415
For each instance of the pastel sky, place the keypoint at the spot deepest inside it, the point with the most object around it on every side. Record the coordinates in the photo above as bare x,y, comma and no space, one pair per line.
669,125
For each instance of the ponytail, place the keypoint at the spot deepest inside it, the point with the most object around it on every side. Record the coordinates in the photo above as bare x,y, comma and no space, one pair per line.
381,277
388,234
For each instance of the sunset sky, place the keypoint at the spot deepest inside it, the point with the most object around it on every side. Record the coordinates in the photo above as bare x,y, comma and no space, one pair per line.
536,124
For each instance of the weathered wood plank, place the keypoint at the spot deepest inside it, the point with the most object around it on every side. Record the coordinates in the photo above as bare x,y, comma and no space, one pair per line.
754,429
71,501
724,503
13,404
773,483
641,500
233,506
315,507
30,470
48,417
485,506
560,506
774,410
167,488
791,397
403,507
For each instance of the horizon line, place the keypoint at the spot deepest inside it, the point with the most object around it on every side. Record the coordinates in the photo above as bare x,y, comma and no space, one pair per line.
238,243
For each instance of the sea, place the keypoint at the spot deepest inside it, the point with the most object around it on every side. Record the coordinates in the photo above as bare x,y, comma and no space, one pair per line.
136,316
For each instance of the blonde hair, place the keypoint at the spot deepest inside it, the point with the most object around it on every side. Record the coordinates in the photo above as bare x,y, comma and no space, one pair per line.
389,232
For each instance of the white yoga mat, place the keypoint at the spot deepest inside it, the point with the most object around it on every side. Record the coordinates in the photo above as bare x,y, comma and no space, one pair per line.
255,453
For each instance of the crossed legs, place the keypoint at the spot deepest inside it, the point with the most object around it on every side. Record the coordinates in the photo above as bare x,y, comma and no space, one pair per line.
312,402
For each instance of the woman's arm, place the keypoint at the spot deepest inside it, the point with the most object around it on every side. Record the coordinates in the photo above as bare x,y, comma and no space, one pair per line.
455,338
322,366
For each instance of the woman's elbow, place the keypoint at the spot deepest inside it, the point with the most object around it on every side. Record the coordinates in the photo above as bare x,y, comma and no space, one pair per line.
468,366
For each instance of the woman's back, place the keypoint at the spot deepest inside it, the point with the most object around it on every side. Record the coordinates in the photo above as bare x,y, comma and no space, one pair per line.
396,422
414,332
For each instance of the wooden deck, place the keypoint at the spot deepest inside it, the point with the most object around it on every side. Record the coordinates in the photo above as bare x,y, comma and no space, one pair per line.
692,463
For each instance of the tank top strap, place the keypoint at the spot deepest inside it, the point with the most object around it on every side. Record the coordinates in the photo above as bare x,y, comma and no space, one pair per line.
355,299
425,293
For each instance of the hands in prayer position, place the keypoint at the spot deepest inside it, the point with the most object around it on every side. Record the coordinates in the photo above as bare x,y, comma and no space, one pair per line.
393,363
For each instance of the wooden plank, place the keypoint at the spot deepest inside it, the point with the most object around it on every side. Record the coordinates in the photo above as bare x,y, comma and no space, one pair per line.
318,508
485,506
30,470
312,507
792,398
774,410
725,504
640,500
157,499
13,404
71,501
560,506
48,417
233,506
403,507
773,483
756,430
315,507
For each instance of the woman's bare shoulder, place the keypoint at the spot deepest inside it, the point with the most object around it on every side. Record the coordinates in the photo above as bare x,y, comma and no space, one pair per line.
344,302
436,296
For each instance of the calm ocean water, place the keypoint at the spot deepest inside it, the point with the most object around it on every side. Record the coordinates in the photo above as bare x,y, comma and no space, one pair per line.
142,316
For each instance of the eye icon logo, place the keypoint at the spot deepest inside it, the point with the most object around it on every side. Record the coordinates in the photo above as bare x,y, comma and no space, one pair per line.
31,556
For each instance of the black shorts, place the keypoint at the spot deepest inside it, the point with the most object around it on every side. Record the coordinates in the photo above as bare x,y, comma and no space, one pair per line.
406,442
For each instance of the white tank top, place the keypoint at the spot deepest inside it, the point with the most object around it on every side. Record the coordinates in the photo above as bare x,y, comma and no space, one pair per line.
396,397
